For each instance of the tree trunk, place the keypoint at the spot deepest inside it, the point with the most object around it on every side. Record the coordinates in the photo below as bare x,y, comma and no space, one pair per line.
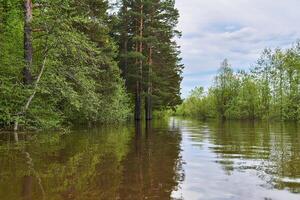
124,61
25,108
138,100
149,88
28,50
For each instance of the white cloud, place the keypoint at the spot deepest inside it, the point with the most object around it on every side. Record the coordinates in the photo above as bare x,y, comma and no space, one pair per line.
235,29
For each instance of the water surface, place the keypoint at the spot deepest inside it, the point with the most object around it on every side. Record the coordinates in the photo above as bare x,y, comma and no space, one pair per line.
168,159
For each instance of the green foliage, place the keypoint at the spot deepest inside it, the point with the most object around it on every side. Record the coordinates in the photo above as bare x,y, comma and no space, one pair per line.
269,91
87,70
11,58
197,105
81,82
225,91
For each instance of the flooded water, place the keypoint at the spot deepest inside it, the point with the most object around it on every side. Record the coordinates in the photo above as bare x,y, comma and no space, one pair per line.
168,159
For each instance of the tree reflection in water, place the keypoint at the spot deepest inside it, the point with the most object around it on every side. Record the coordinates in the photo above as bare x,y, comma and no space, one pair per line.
145,161
152,166
98,163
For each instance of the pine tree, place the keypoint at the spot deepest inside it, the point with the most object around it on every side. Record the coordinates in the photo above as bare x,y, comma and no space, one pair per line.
149,54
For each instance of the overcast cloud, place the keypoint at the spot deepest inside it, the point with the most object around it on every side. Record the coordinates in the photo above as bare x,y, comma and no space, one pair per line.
235,29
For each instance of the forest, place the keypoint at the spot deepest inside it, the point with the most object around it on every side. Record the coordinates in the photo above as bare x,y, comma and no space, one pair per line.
65,62
91,105
269,91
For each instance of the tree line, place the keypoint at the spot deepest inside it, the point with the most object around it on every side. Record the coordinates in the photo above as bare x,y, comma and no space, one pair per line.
66,61
270,90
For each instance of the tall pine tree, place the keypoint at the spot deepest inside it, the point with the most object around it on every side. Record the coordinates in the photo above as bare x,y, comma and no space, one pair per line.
149,55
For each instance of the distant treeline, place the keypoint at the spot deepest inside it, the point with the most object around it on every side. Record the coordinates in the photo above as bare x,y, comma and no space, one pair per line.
88,61
271,90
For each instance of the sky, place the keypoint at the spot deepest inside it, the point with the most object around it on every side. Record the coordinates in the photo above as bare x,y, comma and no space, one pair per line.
238,30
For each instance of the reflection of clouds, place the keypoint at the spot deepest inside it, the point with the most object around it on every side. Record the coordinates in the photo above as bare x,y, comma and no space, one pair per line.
239,160
267,151
238,30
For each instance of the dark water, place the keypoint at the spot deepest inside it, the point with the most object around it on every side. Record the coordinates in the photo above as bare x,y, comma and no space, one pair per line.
171,159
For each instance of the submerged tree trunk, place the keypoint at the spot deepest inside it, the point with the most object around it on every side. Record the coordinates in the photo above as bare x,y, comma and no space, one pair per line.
138,100
28,50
